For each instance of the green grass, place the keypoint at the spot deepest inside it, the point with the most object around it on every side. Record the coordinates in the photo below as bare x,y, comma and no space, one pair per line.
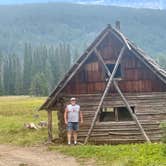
120,155
17,110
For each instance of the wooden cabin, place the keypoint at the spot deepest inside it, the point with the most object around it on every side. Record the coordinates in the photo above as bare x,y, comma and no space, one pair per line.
121,91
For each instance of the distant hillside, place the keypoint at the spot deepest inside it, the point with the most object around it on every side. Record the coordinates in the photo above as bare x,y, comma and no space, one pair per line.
52,23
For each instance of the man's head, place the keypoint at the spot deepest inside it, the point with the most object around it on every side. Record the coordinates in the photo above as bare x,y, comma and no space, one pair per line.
73,100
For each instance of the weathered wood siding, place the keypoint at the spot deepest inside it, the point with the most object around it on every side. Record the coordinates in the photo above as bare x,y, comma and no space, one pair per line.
142,88
136,77
150,109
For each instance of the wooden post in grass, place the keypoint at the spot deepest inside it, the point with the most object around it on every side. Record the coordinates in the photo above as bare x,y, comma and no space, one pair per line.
49,125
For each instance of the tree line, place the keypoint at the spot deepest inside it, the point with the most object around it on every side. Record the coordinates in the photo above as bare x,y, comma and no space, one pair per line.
39,69
37,72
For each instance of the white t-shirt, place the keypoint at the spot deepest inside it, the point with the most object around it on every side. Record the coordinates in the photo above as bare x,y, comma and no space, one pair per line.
73,112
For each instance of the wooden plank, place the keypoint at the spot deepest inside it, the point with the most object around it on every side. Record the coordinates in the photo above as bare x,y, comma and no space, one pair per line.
131,112
140,95
49,125
136,53
105,93
101,59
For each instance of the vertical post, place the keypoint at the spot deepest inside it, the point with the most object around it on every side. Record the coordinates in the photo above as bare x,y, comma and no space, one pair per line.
49,125
116,114
117,24
61,124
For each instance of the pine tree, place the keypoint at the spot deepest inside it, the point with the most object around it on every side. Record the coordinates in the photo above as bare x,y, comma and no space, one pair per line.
27,71
1,74
68,57
161,59
6,76
39,71
75,56
39,86
18,87
55,65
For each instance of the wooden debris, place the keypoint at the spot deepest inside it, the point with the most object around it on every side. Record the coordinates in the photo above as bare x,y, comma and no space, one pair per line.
30,125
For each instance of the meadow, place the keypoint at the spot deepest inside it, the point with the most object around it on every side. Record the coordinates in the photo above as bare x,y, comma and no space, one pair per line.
17,110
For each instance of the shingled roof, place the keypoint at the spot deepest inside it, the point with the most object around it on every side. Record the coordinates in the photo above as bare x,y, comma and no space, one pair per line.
150,63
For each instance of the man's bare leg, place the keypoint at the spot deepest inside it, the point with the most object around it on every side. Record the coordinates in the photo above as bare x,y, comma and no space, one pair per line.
69,137
75,136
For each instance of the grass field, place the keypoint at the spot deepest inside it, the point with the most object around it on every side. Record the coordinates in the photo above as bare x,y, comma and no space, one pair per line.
120,155
15,111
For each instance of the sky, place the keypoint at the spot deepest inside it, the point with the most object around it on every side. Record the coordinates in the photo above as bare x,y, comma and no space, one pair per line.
154,4
24,1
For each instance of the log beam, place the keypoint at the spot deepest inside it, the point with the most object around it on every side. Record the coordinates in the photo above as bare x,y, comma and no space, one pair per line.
131,112
105,93
123,98
102,61
122,37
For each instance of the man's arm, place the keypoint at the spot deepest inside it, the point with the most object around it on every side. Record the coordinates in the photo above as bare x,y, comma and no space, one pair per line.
65,116
81,117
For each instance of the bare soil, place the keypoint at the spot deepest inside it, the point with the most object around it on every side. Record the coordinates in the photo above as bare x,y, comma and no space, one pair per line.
33,156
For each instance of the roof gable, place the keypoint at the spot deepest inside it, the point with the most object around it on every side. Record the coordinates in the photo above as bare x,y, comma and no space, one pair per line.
150,63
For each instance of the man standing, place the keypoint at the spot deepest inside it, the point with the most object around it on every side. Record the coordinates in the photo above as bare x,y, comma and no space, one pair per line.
72,116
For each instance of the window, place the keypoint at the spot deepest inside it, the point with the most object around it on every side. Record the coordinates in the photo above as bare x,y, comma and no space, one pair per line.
107,114
118,73
82,76
115,114
124,114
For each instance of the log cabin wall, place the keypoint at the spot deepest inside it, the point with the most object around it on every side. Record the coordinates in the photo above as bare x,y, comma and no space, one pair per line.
150,109
145,92
135,76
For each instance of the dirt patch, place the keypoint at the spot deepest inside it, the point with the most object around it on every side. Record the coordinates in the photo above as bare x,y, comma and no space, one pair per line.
33,156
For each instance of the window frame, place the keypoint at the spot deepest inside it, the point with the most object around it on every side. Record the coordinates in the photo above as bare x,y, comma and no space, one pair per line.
121,71
116,114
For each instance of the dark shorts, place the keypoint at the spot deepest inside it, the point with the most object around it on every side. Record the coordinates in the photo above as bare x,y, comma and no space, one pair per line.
72,126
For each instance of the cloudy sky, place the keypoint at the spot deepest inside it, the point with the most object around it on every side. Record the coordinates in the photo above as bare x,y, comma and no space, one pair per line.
24,1
154,4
